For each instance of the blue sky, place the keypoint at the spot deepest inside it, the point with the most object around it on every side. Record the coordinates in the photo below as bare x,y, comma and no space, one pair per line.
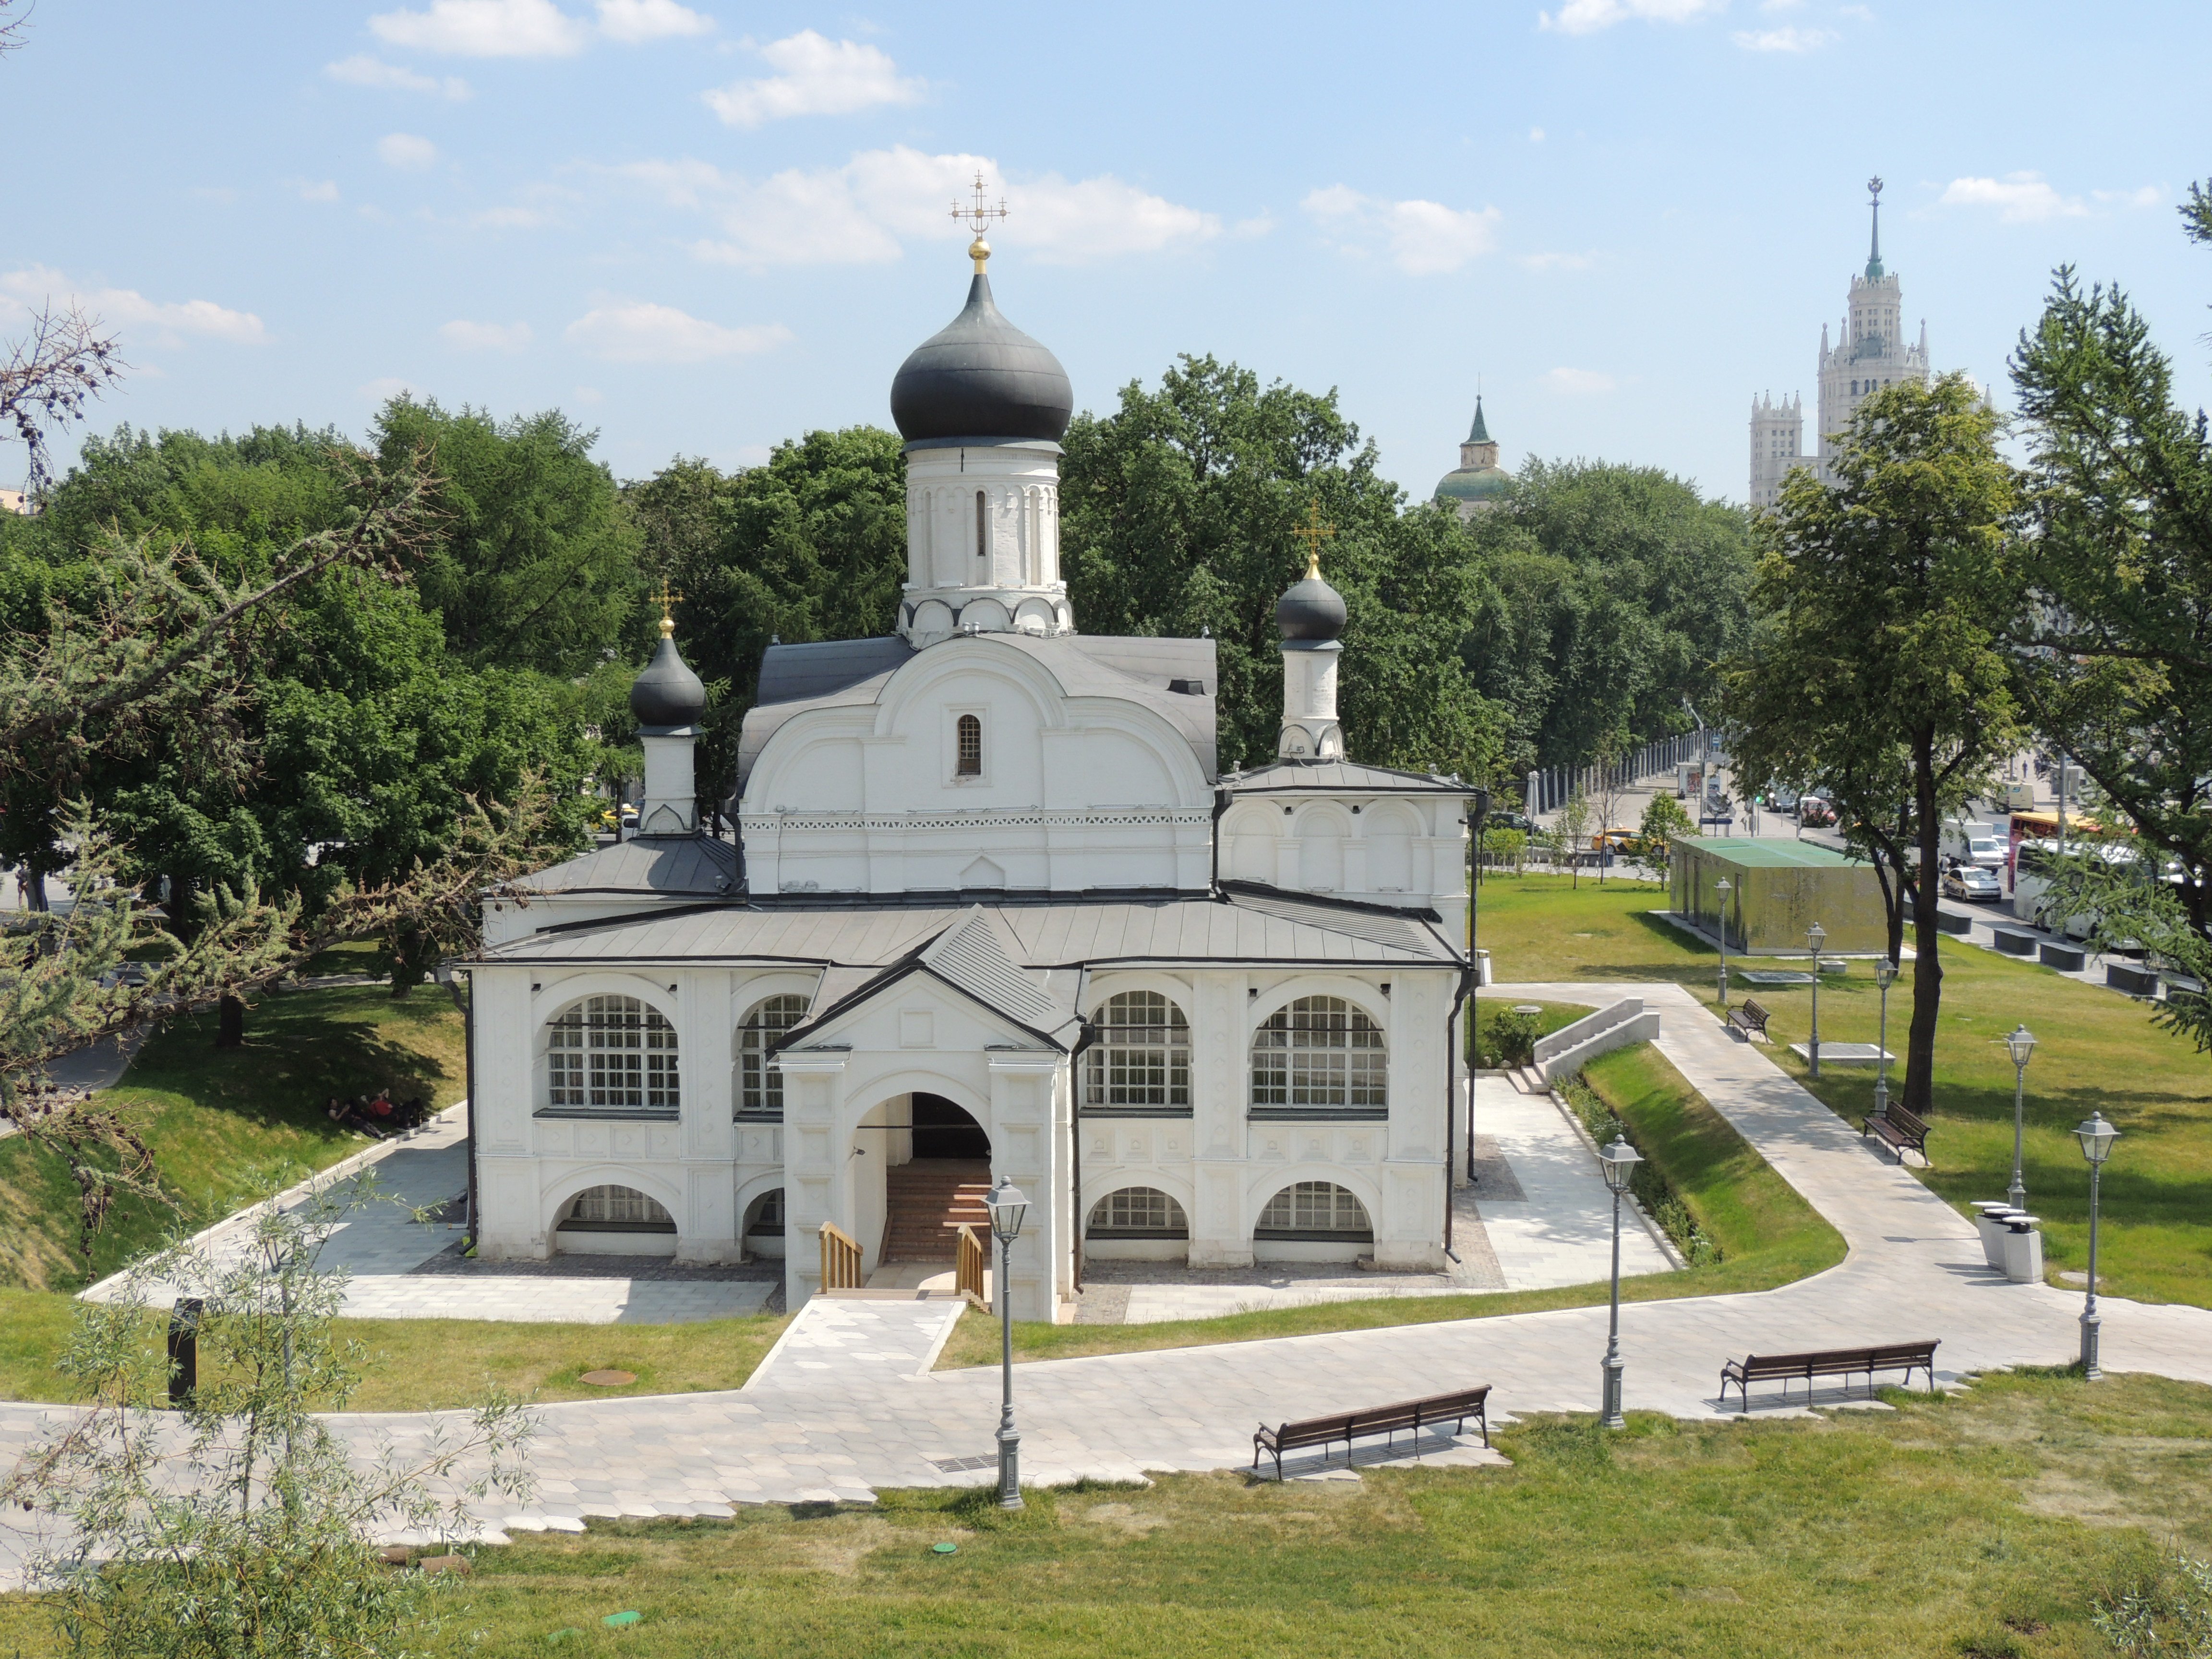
703,228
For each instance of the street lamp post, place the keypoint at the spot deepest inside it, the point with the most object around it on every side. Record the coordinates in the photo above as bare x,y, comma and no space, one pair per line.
1723,888
2096,1137
2021,1042
1816,937
1618,1161
1007,1206
1885,971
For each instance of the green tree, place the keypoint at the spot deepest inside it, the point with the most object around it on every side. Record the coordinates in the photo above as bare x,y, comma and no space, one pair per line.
1881,672
1176,514
536,565
1608,593
1663,819
1573,828
2118,670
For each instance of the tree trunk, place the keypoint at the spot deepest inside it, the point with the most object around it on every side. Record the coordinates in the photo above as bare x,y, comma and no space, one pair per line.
230,1023
1927,968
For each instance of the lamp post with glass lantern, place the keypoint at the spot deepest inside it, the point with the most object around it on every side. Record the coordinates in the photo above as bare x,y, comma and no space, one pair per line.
1618,1161
1816,937
2096,1137
1720,924
2020,1041
1007,1206
1885,971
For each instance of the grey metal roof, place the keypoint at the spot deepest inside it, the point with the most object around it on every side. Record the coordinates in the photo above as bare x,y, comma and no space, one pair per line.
1340,777
851,673
981,377
974,954
674,866
1258,927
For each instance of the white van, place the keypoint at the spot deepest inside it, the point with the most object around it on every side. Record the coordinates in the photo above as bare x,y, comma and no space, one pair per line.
1966,842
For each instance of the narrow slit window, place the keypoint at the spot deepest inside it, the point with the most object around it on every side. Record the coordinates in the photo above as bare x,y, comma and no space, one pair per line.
982,527
970,763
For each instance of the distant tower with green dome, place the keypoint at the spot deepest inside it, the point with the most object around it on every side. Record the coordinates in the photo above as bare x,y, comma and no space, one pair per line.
1478,480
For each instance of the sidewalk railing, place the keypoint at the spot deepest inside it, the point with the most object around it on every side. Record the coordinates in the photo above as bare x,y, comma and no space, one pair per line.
1550,788
841,1259
970,1262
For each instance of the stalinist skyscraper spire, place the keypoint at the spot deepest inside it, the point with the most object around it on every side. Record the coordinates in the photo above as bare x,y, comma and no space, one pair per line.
1869,353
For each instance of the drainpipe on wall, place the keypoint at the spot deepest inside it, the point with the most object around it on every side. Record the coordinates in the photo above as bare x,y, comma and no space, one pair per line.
1075,1141
469,1081
1221,799
1451,1042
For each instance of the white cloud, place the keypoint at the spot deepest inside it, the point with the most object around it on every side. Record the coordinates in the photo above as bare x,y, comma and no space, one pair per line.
2019,198
484,28
485,337
366,71
1788,38
126,309
2150,195
1579,382
815,77
1588,16
405,150
1425,239
325,191
646,333
1535,135
633,22
867,209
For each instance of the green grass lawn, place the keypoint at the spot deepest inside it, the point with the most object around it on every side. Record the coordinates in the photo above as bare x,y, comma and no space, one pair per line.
223,1122
1550,1016
2098,1050
1984,1525
1768,1237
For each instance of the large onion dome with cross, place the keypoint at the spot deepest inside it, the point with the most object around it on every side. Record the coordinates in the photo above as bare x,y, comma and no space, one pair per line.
982,407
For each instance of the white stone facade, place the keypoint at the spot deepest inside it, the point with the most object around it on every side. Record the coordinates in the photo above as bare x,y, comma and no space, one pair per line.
983,541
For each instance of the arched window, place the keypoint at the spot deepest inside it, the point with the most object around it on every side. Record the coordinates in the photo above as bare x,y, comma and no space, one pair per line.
1142,1056
611,1054
970,762
766,1220
1139,1213
760,1085
1315,1210
982,527
616,1209
1319,1054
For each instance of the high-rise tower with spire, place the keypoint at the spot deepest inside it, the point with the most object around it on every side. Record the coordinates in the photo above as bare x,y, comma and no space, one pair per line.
1868,353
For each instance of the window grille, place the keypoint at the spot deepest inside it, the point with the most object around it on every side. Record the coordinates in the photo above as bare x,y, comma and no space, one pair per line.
970,763
1142,1056
613,1054
1319,1052
760,1085
1139,1213
1315,1206
617,1206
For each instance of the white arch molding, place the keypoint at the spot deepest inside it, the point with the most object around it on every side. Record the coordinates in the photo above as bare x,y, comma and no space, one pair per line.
555,1197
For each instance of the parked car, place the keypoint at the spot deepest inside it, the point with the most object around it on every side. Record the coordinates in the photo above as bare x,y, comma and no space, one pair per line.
1971,882
1814,814
1781,799
1508,821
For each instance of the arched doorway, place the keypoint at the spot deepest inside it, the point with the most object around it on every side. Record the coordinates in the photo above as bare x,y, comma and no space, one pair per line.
938,1174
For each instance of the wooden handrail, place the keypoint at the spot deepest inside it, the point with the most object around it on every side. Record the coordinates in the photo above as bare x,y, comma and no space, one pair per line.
970,1262
841,1259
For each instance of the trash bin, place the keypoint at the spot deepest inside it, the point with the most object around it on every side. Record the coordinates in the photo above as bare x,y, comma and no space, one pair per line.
184,1349
1988,1222
2023,1250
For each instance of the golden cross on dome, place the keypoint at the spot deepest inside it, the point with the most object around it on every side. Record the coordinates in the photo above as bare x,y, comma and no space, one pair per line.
977,215
1313,532
668,602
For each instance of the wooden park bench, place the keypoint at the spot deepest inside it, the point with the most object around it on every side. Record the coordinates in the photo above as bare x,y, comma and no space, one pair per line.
1749,1018
1347,1426
1897,1129
1847,1363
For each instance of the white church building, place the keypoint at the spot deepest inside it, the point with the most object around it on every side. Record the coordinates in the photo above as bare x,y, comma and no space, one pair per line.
1869,353
992,910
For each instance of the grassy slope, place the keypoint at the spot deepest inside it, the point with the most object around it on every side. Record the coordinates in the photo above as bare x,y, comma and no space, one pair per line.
1946,1528
223,1120
1768,1237
2098,1050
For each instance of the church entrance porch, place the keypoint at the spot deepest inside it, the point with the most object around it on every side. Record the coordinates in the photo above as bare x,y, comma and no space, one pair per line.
937,1172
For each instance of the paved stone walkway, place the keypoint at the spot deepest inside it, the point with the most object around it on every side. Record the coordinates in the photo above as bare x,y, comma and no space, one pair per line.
845,1403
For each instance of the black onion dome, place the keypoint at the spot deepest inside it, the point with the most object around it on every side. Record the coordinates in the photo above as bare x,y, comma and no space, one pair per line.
667,693
981,377
1311,610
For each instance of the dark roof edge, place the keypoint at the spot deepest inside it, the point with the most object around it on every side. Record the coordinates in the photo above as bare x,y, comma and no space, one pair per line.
1232,886
901,969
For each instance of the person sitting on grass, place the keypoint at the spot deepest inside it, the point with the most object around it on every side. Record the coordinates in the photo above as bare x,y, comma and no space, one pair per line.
415,1113
350,1115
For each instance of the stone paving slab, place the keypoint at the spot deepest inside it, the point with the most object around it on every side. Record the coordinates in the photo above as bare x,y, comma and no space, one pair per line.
844,1404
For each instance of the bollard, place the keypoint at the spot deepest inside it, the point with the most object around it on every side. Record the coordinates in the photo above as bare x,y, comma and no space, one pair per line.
185,1349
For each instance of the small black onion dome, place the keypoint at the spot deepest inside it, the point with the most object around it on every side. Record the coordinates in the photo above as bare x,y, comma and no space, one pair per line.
1311,610
981,377
667,693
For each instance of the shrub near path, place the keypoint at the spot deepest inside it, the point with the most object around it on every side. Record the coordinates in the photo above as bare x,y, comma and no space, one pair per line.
2098,1050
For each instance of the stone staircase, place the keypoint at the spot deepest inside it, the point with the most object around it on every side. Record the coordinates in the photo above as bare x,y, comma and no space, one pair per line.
927,1201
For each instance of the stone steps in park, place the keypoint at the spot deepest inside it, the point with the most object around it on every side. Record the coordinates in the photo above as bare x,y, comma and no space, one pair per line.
927,1201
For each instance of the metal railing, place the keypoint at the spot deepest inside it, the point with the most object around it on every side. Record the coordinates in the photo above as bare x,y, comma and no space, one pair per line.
970,1262
1547,790
841,1259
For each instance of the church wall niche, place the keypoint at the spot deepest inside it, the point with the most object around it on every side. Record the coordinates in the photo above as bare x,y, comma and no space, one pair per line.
1390,831
1322,832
